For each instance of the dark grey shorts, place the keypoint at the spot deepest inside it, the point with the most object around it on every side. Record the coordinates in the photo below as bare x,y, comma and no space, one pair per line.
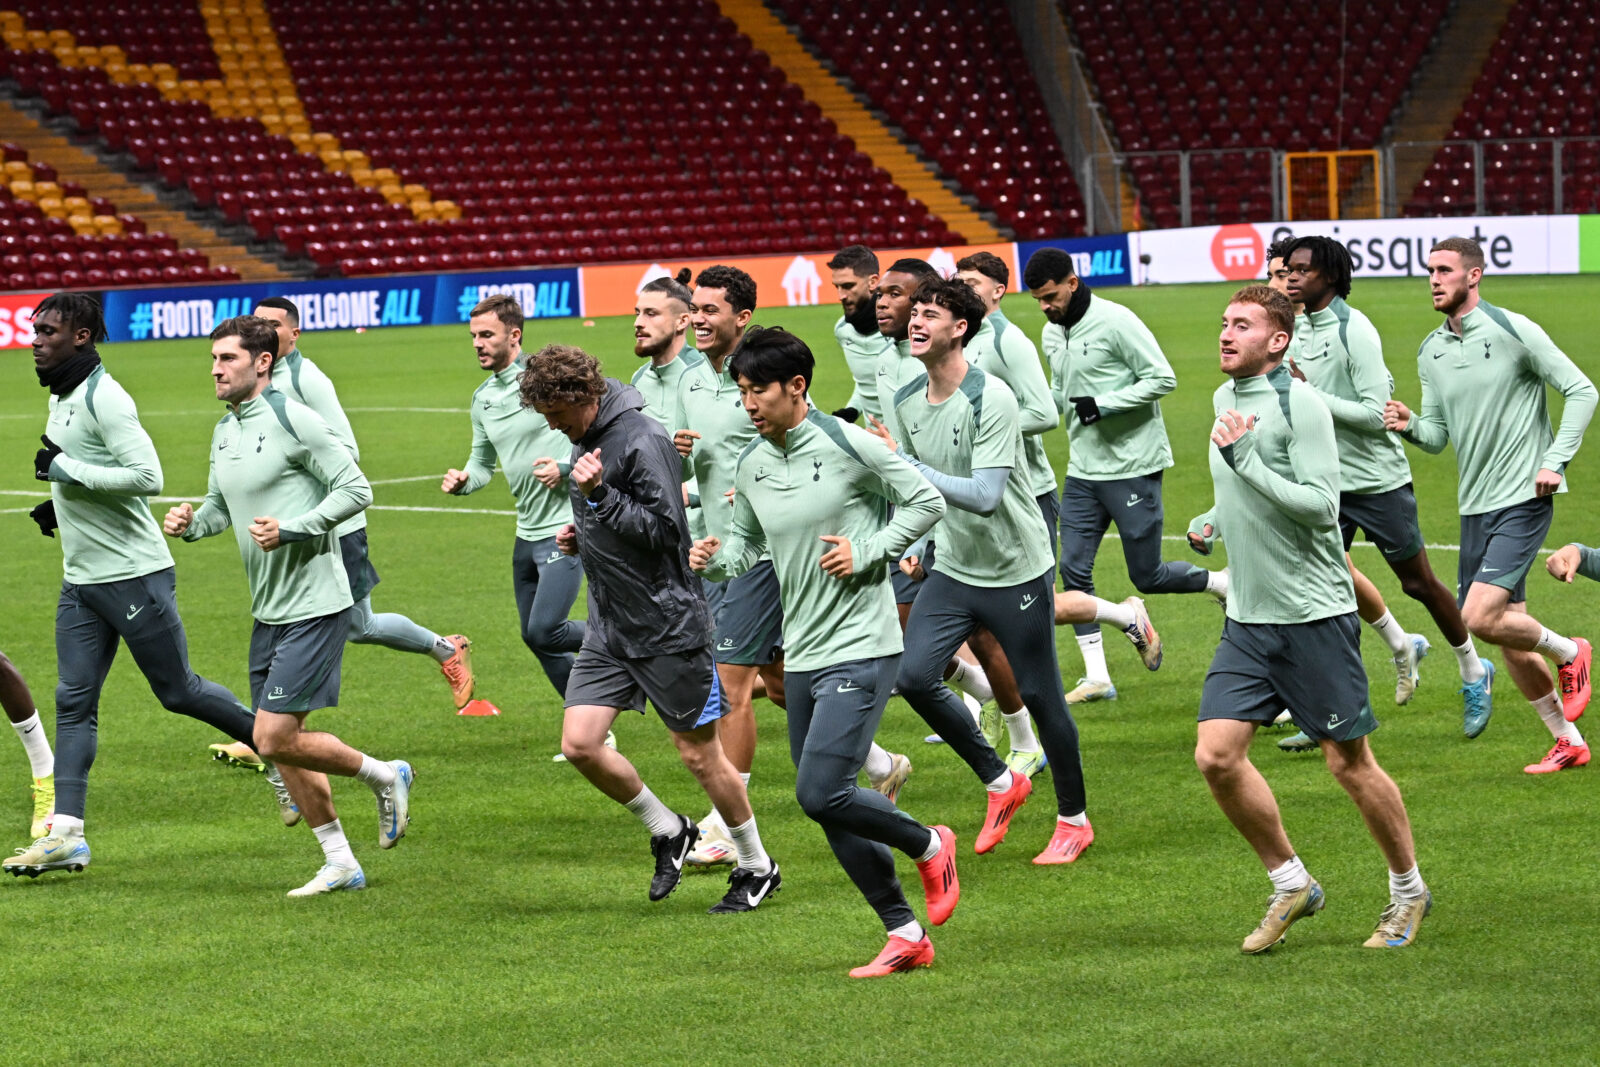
749,618
1389,520
1498,547
1050,508
681,686
357,567
905,586
294,666
1312,668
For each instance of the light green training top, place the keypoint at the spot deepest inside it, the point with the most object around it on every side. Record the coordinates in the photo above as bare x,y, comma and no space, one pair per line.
1277,504
709,403
298,378
861,353
109,470
975,428
659,386
1000,349
276,457
1341,355
897,368
1484,390
837,479
505,430
1113,357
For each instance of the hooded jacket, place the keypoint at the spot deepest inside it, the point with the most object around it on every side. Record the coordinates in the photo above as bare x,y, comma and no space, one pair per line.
634,538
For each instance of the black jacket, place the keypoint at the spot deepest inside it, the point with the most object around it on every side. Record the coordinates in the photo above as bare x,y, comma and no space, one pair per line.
634,540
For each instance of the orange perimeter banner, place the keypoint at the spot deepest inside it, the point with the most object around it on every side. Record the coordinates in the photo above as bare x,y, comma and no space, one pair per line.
781,281
16,318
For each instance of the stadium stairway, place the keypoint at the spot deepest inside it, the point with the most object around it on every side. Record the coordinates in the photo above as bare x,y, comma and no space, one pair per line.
1443,81
757,22
79,165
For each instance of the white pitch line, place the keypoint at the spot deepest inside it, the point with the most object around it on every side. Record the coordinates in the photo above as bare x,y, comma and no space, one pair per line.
452,511
413,478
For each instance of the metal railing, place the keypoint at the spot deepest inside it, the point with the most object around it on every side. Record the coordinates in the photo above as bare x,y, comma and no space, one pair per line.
1502,176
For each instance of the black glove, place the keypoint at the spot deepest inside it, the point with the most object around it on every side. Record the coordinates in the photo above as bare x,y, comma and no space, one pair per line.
1088,410
44,457
847,414
45,516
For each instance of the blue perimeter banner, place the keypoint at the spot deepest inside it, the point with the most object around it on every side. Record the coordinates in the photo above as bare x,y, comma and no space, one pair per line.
1100,261
340,304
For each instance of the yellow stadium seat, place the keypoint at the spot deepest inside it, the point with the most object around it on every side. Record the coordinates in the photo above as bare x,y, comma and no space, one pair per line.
53,207
82,224
108,224
447,209
23,190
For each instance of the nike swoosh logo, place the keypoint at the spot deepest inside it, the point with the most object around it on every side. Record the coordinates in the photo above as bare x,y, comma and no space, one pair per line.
725,645
1438,355
1335,721
554,556
696,387
848,687
1132,500
276,696
134,611
1028,601
759,477
48,851
1490,570
756,898
31,729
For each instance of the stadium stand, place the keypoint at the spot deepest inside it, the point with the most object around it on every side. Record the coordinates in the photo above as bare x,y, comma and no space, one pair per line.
1536,84
954,78
372,144
1162,72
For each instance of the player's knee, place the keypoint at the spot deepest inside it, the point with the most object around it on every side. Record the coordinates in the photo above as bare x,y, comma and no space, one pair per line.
175,695
74,702
916,680
269,742
1417,587
577,752
1482,620
1216,763
818,799
541,637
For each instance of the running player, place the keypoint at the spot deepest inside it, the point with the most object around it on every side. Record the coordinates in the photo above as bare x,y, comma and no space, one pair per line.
284,481
119,582
962,433
1291,635
649,634
1338,353
1484,372
811,491
711,431
855,276
660,335
544,579
18,702
1108,374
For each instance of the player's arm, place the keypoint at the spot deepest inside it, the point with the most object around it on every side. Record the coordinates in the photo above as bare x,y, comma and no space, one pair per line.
747,540
1570,560
480,461
322,454
211,517
1561,374
1055,354
317,392
643,515
918,508
1311,497
1153,375
1370,377
1036,407
137,471
1425,428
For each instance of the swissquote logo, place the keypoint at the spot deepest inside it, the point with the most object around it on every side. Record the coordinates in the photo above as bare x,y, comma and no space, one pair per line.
1238,252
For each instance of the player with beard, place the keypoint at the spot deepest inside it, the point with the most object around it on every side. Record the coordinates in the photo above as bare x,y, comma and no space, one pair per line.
1108,374
1484,373
660,335
855,276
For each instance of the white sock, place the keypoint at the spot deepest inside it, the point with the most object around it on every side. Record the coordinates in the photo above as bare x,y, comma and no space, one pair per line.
1290,877
1119,615
443,648
1549,709
911,931
1407,886
1000,784
1556,648
375,773
659,819
1093,647
36,745
335,846
744,776
66,826
1217,584
747,846
933,846
1467,659
878,765
1391,633
1020,726
1080,819
972,679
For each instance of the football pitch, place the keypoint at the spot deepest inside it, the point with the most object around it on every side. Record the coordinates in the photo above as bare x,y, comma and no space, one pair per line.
512,924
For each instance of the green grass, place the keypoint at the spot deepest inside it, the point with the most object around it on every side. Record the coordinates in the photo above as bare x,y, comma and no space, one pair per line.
512,924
